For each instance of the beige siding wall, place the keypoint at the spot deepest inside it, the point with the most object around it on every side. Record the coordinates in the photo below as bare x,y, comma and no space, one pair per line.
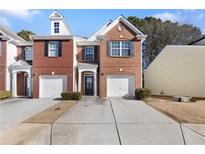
178,70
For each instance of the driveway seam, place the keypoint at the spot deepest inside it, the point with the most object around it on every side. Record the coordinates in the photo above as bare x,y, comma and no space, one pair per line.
84,123
194,131
146,123
51,134
182,133
118,134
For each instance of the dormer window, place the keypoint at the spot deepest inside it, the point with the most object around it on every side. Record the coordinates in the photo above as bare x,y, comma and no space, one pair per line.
56,27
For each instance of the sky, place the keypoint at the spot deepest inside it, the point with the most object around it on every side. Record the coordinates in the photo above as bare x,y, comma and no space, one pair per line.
86,22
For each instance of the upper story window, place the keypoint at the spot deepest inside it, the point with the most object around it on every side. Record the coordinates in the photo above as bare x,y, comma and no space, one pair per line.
28,53
120,48
89,53
53,49
56,27
0,48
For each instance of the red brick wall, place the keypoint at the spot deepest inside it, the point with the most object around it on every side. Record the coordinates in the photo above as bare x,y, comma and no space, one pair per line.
80,55
46,65
112,65
3,66
20,53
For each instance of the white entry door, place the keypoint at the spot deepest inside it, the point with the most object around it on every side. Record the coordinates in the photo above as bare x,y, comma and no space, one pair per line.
52,85
120,85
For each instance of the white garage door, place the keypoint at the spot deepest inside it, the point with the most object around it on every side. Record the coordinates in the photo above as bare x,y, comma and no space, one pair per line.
52,85
120,85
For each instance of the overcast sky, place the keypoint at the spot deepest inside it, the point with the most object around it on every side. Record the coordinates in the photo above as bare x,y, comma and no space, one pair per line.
86,22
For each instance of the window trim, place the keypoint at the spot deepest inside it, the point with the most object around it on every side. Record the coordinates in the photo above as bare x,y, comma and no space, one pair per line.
56,28
27,49
57,54
121,49
93,53
111,52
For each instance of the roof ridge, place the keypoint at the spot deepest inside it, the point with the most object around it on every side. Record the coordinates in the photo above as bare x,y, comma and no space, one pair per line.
7,31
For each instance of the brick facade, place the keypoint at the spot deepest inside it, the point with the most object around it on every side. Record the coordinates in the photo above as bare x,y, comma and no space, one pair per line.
3,66
43,65
122,65
63,65
80,55
20,53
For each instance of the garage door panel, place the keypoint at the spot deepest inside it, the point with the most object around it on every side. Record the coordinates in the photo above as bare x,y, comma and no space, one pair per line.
52,85
120,85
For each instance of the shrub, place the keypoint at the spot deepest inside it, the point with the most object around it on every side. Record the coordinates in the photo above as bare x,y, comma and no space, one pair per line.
141,93
5,94
71,95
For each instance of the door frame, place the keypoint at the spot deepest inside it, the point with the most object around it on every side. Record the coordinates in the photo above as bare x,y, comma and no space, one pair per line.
89,74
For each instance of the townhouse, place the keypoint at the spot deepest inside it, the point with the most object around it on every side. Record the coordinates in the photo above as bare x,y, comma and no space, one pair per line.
107,64
15,63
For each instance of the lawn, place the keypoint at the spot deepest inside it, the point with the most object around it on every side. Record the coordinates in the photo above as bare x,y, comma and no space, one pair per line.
189,112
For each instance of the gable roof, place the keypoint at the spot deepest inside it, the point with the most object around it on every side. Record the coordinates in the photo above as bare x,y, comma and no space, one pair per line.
56,15
5,31
100,30
108,26
19,64
191,43
181,52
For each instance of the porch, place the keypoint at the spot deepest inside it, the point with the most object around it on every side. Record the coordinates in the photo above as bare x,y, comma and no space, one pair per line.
88,79
20,79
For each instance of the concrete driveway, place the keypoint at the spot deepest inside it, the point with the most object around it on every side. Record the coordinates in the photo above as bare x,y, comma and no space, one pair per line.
14,111
119,121
96,121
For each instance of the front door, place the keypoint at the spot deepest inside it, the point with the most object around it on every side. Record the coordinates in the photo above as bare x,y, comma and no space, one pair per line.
89,90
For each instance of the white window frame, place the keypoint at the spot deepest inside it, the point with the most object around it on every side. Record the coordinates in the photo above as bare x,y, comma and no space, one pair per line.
30,50
111,48
111,52
93,53
49,49
56,27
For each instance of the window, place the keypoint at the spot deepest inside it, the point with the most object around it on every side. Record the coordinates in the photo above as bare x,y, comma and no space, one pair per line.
126,46
89,53
56,27
115,48
0,48
53,49
28,53
120,48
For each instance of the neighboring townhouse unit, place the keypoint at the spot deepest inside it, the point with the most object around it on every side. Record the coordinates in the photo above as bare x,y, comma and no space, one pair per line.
200,41
177,70
108,64
15,63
